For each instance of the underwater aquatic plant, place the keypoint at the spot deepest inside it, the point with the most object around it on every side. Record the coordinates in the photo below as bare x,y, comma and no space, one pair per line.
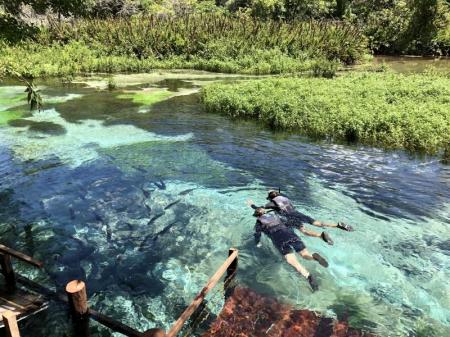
34,97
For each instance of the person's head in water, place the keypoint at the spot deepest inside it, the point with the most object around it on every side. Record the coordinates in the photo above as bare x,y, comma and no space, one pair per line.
259,211
272,195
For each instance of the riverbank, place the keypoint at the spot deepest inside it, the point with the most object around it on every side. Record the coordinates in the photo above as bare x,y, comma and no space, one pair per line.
202,42
389,110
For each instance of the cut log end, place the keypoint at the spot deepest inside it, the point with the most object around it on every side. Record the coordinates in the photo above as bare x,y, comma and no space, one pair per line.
154,333
75,286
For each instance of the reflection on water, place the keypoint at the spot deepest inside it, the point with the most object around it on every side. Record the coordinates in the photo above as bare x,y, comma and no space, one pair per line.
144,205
412,64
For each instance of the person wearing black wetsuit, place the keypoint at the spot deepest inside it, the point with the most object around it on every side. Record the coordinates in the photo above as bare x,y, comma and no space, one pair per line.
286,241
283,206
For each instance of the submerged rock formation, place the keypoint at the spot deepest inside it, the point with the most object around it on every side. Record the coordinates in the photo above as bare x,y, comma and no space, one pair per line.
247,313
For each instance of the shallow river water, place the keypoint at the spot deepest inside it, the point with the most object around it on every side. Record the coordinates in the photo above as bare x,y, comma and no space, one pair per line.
140,193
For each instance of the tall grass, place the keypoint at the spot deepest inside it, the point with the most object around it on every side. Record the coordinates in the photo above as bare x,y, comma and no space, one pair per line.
384,109
206,42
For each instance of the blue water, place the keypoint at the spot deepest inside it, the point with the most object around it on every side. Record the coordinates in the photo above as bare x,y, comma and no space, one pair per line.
143,203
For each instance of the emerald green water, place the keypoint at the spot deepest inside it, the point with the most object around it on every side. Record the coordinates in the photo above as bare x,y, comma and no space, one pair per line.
140,193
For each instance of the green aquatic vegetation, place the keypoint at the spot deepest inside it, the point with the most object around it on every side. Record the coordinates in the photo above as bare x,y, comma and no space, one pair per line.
384,109
11,97
146,97
6,116
112,84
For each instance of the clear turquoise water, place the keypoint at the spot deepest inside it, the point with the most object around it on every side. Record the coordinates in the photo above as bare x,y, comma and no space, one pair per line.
143,203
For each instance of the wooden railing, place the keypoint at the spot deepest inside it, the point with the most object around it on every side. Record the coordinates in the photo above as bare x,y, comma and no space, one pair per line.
76,297
228,266
9,318
7,269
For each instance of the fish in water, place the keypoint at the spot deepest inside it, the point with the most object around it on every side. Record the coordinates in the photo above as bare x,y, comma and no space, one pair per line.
239,190
172,204
154,237
156,217
187,191
161,185
137,168
146,193
72,213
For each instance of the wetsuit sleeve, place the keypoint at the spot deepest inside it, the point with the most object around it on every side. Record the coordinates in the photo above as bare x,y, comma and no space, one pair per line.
253,206
258,230
271,205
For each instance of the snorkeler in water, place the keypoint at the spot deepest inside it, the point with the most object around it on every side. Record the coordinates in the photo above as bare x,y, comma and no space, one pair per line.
286,241
284,207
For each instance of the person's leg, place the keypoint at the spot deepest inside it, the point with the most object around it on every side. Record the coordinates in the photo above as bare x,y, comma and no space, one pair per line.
305,254
292,260
315,256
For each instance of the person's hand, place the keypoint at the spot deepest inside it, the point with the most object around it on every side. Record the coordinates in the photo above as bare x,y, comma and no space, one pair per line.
250,202
259,245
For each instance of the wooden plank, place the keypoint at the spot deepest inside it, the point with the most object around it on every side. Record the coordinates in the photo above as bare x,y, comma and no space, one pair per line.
21,303
12,329
178,325
20,256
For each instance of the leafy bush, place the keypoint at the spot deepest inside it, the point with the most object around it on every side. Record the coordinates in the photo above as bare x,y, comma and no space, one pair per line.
385,109
206,42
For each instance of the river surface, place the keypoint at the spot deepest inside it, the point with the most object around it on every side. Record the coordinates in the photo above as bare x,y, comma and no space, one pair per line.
413,64
141,193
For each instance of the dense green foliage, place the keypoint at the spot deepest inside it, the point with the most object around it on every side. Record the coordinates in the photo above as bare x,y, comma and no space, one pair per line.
205,42
391,26
385,109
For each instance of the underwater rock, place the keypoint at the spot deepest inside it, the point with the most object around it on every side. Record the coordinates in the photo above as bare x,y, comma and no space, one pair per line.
247,313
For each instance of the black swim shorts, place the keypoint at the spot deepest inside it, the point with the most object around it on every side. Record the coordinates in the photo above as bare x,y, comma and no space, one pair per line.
296,219
287,241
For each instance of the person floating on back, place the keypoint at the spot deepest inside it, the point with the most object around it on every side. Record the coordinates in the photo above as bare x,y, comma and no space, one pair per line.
286,241
284,207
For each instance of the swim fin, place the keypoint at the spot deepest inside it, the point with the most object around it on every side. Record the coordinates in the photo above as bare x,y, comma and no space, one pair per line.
321,260
345,227
313,283
326,237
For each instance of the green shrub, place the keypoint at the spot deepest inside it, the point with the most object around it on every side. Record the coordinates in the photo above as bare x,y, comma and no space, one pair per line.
206,42
384,109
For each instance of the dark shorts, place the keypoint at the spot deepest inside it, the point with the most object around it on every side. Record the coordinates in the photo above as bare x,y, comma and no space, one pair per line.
287,241
296,219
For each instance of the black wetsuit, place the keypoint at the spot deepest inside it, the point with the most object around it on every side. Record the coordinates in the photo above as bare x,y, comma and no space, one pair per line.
283,237
293,218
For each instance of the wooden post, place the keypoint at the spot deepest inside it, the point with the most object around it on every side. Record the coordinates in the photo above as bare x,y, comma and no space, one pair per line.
233,266
10,321
76,292
8,271
231,273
